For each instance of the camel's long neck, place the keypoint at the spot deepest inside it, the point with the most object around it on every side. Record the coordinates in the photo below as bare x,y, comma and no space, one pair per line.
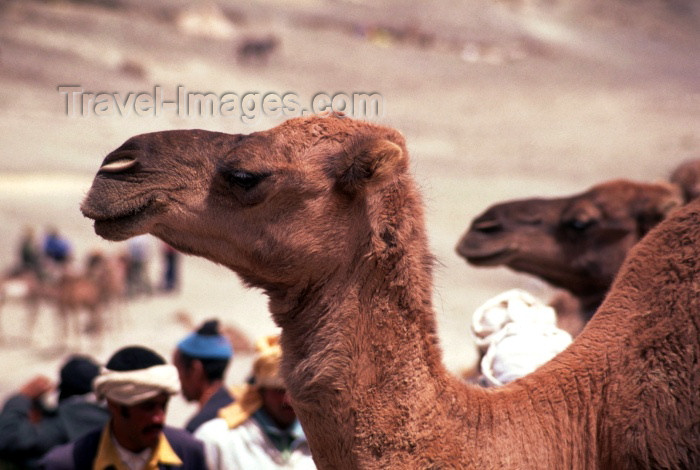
361,358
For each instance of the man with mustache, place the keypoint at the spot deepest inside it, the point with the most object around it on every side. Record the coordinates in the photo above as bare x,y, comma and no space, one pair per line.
137,385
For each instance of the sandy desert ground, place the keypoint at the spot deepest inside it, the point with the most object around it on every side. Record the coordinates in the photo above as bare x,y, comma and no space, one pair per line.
497,99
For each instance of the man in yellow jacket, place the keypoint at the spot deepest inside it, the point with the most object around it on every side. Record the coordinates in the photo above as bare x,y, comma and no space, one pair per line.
137,385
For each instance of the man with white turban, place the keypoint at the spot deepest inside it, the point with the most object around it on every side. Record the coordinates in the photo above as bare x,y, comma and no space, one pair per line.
137,385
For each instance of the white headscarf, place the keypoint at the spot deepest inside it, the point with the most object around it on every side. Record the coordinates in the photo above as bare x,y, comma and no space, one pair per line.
135,386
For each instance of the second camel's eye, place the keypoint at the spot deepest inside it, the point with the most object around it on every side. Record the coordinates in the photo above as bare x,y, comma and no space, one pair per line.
243,179
579,224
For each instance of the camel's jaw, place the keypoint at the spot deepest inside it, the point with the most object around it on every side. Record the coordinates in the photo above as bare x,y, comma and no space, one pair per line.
490,258
508,252
120,221
477,252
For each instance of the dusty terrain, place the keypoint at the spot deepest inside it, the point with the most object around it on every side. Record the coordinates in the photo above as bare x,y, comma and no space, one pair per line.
498,100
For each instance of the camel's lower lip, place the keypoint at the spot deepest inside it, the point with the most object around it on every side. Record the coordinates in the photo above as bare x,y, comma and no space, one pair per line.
486,258
122,226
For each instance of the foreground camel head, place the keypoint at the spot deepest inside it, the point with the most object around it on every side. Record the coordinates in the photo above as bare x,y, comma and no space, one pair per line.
273,206
577,243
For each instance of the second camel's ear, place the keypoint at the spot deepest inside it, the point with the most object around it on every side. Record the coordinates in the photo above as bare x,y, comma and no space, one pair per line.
655,207
369,161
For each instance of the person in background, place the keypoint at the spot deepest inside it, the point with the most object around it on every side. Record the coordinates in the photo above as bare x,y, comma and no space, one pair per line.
58,254
260,429
30,257
201,359
138,280
28,431
137,384
171,263
57,247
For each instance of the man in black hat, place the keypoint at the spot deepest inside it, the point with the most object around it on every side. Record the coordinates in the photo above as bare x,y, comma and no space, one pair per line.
28,430
137,384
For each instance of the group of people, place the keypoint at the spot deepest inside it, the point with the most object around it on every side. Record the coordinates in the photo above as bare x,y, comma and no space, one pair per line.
137,259
114,417
51,257
43,258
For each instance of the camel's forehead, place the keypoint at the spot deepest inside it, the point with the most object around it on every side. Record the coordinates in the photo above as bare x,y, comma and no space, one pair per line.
309,131
624,192
183,143
265,151
523,208
616,188
322,126
308,138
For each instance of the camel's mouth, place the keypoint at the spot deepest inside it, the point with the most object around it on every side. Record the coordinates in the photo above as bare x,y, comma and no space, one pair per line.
123,224
486,258
490,252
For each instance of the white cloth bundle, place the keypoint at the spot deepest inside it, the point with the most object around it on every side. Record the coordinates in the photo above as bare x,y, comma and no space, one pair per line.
135,386
511,306
520,348
517,333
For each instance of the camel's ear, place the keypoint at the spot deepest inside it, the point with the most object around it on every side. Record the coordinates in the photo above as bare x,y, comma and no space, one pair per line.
367,162
654,210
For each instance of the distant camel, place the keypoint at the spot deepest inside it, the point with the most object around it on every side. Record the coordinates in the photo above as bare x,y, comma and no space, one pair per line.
98,290
23,288
323,215
576,243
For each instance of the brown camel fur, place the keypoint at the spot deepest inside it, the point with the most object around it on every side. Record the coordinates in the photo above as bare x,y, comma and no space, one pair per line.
323,215
576,243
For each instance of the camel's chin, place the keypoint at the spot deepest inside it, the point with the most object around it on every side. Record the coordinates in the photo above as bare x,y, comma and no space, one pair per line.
122,227
116,231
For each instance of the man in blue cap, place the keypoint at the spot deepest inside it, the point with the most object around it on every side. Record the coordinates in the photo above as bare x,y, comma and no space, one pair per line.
201,359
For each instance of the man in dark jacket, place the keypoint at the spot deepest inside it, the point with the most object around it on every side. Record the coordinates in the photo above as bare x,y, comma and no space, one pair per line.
137,384
28,431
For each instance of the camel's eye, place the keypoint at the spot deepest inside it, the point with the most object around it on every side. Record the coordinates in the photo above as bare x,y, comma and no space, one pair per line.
243,179
579,224
580,218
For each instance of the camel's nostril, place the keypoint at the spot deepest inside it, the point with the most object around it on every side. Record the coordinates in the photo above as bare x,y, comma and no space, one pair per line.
118,165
